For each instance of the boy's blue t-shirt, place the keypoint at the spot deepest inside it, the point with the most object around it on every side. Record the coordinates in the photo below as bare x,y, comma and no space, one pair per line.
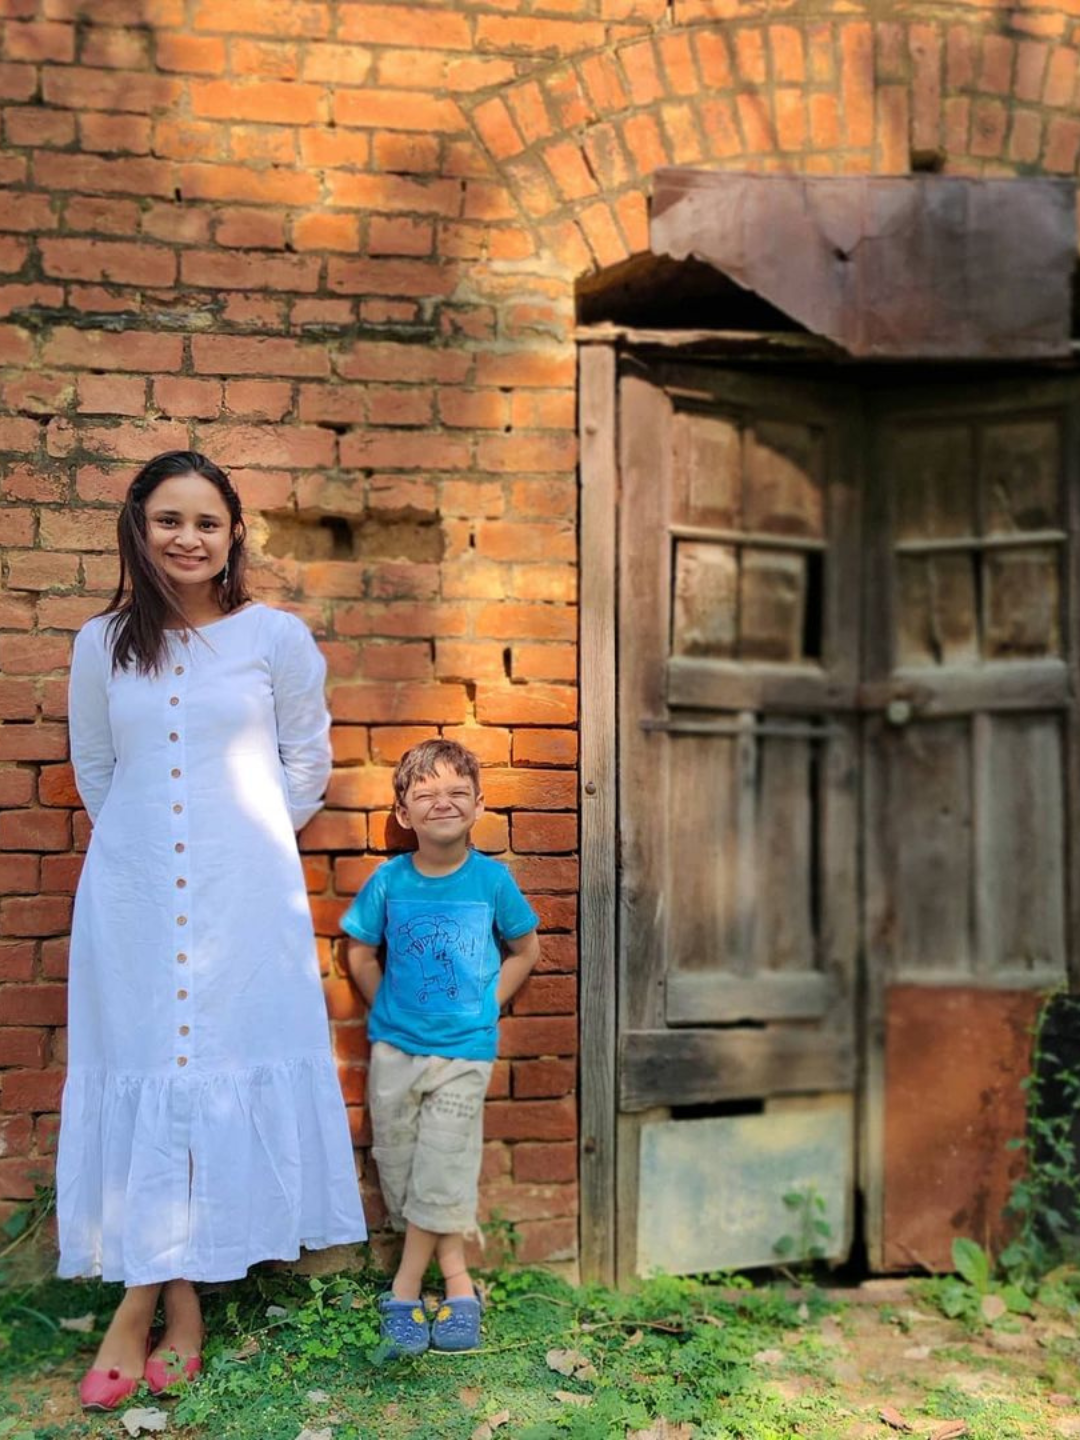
442,934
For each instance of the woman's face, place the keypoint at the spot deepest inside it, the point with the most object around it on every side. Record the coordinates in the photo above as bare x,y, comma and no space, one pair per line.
188,529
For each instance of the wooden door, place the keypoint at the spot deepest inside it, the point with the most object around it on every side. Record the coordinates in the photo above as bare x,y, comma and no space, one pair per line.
968,787
738,653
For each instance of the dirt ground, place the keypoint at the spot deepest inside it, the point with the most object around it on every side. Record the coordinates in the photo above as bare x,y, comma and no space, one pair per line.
896,1362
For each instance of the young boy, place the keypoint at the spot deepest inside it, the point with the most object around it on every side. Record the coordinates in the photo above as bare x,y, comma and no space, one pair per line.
447,917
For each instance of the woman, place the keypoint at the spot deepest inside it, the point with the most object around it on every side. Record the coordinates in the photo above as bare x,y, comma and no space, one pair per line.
202,1125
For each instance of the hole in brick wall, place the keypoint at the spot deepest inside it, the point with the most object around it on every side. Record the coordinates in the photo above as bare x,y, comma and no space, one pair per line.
310,537
401,535
381,535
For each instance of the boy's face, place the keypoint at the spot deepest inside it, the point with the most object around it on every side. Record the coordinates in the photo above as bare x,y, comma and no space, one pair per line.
441,808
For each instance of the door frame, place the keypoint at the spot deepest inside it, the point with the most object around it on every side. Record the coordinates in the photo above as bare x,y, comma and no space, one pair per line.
598,810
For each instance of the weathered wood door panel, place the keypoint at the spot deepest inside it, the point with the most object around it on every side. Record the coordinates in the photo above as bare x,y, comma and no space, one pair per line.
967,771
847,769
738,748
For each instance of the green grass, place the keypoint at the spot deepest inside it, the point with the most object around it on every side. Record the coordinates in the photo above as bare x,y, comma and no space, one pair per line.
287,1352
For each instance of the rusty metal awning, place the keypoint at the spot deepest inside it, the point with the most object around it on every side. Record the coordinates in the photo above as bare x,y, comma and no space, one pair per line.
920,267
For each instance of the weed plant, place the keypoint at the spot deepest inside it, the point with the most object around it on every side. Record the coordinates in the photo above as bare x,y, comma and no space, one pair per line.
1045,1201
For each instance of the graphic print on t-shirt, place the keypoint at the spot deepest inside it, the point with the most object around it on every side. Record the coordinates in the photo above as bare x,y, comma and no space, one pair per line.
437,956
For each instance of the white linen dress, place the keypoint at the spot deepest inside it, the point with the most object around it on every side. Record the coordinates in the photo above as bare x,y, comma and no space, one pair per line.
202,1125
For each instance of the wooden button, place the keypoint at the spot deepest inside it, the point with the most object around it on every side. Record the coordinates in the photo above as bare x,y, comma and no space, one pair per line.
179,847
179,670
181,884
184,1030
181,919
181,958
181,994
173,735
174,699
175,774
181,1059
178,809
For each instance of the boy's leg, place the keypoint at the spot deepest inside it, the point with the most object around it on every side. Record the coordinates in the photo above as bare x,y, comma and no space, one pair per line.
442,1194
450,1253
420,1246
394,1107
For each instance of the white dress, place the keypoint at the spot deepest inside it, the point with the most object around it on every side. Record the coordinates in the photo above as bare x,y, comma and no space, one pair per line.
202,1124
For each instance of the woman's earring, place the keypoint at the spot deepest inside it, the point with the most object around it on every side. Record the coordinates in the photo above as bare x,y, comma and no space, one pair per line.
224,577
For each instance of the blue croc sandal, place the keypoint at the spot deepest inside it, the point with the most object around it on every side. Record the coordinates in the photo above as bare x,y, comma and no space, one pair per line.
457,1324
404,1325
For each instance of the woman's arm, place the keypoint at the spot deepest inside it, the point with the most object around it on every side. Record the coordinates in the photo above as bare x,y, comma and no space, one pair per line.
303,724
92,754
522,955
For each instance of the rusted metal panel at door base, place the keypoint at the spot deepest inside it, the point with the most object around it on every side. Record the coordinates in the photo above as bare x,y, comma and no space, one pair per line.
954,1060
913,266
712,1190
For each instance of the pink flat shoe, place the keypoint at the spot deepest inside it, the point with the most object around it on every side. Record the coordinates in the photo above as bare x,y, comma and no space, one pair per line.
106,1389
163,1375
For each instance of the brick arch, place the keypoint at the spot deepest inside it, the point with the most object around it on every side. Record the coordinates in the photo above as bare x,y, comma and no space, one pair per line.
576,143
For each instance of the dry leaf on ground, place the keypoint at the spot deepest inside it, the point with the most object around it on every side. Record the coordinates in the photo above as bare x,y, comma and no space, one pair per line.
917,1352
490,1425
572,1363
82,1323
306,1434
768,1357
139,1421
1057,1398
317,1397
892,1417
992,1307
951,1430
470,1396
662,1430
567,1397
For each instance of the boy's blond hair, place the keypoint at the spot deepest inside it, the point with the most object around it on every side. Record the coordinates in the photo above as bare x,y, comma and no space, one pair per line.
419,762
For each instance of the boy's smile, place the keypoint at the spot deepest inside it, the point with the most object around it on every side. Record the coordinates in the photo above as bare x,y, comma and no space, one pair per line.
441,809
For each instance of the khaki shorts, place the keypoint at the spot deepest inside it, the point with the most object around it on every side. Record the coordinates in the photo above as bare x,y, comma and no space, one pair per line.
427,1115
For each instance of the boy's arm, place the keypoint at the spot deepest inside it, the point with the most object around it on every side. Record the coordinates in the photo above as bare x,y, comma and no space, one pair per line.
365,969
522,955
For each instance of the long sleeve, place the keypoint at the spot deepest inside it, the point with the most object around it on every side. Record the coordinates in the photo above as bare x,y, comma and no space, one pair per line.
92,753
303,723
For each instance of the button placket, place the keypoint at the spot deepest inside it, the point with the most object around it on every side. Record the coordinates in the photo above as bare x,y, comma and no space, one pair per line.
179,897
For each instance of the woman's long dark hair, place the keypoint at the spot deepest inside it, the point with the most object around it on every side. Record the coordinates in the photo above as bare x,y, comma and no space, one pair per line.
145,599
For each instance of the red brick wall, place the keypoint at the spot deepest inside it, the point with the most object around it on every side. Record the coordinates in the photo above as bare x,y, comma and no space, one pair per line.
333,244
